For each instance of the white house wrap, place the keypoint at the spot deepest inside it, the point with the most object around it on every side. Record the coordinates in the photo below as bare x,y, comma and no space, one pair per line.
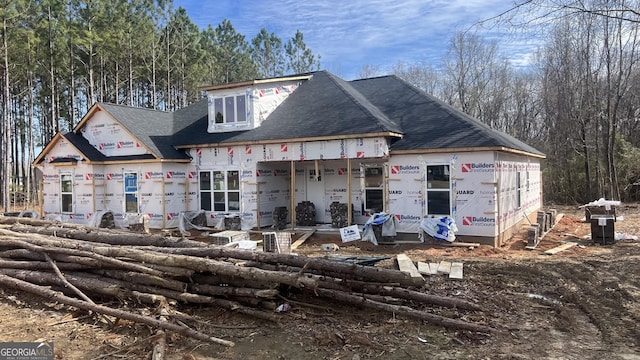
375,145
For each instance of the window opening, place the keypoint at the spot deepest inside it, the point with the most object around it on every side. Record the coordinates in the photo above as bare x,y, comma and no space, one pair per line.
374,189
438,190
519,189
220,190
131,192
66,192
230,109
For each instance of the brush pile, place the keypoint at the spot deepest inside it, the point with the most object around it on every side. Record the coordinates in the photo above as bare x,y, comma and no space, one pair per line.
85,266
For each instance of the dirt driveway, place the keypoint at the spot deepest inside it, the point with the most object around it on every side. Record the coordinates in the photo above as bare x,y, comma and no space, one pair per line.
582,303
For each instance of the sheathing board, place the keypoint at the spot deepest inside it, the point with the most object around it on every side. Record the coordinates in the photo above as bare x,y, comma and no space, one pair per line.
110,137
261,101
51,187
479,180
475,180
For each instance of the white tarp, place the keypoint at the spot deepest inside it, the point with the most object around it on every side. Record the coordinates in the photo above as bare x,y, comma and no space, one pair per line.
440,227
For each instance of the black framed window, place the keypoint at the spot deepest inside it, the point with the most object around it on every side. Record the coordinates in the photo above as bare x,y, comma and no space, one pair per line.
438,190
220,190
66,192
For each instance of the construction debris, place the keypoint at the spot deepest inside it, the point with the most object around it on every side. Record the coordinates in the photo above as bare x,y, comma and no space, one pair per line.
150,269
559,248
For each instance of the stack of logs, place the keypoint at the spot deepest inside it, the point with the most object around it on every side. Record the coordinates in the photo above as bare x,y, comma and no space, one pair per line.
77,265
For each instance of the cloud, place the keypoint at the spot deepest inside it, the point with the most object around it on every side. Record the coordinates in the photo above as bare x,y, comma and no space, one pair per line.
350,34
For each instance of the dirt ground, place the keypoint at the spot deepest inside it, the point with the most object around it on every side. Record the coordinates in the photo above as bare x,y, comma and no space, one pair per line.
581,303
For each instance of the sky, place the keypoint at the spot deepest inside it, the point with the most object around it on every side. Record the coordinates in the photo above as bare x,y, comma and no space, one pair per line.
350,34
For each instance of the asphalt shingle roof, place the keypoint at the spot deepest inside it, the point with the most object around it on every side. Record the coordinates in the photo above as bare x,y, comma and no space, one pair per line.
93,154
427,122
323,106
191,127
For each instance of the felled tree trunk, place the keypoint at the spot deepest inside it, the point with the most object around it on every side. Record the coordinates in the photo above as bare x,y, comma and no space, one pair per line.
59,297
365,273
107,237
404,310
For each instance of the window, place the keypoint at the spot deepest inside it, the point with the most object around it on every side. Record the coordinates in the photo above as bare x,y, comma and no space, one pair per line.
438,190
313,176
230,109
218,110
130,192
519,189
220,190
374,189
66,192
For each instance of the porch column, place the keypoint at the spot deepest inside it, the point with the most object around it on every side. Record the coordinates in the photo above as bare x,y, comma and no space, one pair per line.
349,210
293,195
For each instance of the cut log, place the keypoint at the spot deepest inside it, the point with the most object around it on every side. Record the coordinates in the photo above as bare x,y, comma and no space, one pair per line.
99,235
145,279
413,295
360,300
233,291
57,296
38,265
109,254
68,251
123,289
370,273
460,244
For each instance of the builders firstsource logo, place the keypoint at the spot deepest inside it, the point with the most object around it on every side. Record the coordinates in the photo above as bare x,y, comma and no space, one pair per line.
477,167
478,221
405,169
408,218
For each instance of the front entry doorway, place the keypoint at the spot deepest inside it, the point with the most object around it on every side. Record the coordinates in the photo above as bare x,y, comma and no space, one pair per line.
315,190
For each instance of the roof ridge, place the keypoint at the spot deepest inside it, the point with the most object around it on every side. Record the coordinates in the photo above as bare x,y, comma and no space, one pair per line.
379,115
136,107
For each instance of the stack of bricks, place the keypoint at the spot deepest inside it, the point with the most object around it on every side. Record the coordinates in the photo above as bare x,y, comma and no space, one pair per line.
533,237
280,217
542,222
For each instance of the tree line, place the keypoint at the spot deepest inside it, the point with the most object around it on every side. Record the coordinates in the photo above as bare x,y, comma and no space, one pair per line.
578,99
59,57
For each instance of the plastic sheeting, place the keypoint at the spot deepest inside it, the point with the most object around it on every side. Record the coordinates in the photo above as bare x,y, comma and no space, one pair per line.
441,228
185,222
602,202
388,223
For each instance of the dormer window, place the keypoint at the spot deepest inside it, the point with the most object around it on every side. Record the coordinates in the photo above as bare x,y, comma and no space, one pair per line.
229,109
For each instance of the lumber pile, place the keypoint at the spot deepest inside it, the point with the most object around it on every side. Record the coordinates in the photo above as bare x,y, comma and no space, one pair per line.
86,267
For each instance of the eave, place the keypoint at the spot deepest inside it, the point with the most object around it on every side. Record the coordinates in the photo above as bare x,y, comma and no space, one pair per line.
279,141
254,82
464,149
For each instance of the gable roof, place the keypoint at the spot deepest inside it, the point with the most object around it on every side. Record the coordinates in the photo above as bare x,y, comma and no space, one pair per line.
191,127
92,154
429,123
153,128
322,107
326,106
